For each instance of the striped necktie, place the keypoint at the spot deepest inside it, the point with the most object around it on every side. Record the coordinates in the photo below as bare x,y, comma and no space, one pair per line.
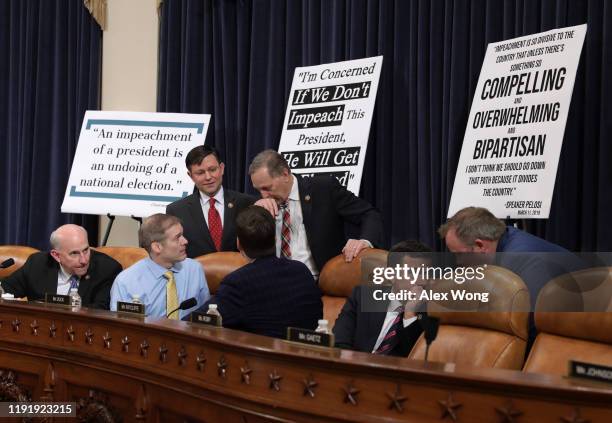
171,296
286,231
391,338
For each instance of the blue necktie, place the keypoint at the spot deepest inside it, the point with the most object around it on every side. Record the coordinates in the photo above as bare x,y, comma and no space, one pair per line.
74,282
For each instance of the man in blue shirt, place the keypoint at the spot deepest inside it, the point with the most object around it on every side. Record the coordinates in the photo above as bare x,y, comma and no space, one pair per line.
167,277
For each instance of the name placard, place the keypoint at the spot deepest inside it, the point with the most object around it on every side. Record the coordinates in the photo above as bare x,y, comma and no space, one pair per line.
590,371
205,319
126,307
57,299
310,337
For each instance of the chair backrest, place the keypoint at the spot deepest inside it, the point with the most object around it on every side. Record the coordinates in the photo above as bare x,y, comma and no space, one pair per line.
19,253
482,338
577,335
338,278
126,256
218,265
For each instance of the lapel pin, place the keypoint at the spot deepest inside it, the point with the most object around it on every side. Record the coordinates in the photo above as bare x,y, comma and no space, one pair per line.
307,198
230,205
87,277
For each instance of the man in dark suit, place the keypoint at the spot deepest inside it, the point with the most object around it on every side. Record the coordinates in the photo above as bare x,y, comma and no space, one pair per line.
360,327
268,294
71,263
477,230
311,213
209,213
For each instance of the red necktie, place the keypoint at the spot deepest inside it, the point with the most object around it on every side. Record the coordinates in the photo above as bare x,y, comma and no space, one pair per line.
214,224
286,231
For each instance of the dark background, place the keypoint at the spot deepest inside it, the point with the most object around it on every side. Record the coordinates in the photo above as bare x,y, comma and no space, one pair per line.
235,59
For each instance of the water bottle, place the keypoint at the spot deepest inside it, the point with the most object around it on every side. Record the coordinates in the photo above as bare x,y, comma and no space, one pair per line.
212,311
323,326
75,298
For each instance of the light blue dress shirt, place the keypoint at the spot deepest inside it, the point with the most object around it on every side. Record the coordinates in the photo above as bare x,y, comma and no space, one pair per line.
146,280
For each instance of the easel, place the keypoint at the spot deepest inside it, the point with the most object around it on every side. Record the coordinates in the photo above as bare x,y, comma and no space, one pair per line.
109,226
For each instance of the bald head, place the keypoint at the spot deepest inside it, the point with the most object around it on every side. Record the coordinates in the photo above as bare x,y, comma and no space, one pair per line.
66,232
70,248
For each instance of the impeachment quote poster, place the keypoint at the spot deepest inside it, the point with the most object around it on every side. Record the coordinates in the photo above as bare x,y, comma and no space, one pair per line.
132,163
328,119
515,129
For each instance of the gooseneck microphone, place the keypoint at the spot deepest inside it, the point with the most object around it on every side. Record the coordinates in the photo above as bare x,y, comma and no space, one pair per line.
188,303
430,330
7,263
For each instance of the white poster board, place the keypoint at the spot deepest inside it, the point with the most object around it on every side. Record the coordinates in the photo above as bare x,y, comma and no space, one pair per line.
513,138
132,163
328,119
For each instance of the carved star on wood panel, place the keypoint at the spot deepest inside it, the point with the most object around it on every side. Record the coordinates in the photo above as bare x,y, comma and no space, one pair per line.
182,355
34,326
70,333
106,339
163,353
16,323
574,418
245,373
508,413
52,330
275,379
309,385
351,393
200,361
125,344
449,407
89,336
222,367
144,348
397,400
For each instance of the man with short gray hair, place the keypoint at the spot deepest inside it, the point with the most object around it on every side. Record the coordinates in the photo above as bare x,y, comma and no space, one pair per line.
167,277
311,213
71,263
477,230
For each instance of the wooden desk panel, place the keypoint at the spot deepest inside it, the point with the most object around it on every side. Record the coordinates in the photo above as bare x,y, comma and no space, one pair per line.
163,371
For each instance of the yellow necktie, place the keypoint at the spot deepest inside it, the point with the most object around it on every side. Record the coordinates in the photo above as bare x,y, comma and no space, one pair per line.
171,296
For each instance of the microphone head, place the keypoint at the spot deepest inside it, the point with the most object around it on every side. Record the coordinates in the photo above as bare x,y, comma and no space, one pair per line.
430,327
7,263
188,303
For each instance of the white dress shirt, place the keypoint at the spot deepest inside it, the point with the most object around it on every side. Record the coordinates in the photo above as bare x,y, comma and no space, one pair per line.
389,318
63,282
219,204
300,250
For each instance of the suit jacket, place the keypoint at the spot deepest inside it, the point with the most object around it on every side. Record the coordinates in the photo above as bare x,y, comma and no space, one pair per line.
326,207
536,270
358,330
195,229
268,295
38,276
